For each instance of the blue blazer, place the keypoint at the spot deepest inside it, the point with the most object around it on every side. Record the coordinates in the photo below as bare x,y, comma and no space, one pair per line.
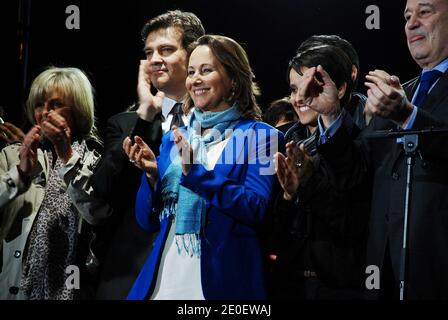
237,193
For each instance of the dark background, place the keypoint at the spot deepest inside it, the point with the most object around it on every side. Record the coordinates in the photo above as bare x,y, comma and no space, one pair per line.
108,45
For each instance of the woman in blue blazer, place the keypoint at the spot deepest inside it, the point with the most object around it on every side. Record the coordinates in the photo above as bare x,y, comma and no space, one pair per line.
208,190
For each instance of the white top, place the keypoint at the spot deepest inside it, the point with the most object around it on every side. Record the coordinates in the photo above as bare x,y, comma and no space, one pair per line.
179,276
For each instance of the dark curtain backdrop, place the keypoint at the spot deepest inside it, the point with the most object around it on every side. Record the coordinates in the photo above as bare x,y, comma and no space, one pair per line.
108,45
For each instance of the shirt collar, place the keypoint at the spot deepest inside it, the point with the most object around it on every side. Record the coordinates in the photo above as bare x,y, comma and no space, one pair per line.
442,66
167,105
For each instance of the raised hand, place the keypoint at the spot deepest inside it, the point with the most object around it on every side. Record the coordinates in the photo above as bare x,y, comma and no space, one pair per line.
56,129
293,169
386,97
10,133
321,94
149,105
28,151
142,156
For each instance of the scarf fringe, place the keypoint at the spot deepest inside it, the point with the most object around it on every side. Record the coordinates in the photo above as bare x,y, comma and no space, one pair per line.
188,243
169,208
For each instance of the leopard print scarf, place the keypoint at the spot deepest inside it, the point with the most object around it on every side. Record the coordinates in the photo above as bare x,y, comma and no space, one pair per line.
52,240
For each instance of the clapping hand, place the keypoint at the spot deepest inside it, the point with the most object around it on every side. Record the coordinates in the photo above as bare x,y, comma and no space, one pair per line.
185,150
320,93
149,104
56,129
9,133
293,169
141,155
386,97
28,151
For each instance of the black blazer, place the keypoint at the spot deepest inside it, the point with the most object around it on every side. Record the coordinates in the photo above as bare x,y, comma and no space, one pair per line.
121,244
349,161
323,231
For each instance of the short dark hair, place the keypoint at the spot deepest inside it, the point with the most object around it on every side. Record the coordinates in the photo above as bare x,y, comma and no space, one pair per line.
279,109
336,41
332,59
187,22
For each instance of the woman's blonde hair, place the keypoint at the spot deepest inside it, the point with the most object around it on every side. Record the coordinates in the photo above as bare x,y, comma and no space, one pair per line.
73,84
235,62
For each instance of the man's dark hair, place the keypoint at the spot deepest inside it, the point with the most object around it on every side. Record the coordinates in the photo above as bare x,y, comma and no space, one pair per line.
280,109
333,40
334,61
187,22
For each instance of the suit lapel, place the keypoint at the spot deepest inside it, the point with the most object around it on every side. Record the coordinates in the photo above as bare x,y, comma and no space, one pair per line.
430,104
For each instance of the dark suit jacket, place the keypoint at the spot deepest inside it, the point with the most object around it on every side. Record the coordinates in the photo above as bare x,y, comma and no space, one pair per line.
121,244
427,258
323,231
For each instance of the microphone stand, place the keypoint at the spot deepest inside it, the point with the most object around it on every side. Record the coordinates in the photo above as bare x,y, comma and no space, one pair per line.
410,146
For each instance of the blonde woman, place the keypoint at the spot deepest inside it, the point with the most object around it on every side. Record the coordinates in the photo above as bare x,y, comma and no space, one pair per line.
40,179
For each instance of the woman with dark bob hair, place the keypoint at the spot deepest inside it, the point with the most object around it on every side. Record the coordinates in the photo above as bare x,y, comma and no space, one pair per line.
208,190
42,185
320,233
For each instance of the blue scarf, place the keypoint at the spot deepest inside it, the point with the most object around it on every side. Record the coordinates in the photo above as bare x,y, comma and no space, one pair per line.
190,215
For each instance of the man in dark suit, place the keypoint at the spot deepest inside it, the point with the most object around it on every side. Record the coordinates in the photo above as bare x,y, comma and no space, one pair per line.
419,104
121,245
